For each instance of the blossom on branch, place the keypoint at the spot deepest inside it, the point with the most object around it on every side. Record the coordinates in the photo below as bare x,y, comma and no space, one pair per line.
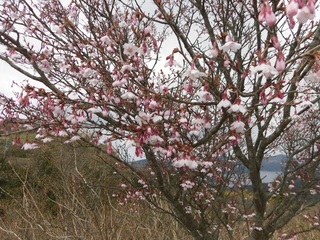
230,45
266,14
29,146
237,126
130,49
265,70
191,164
305,14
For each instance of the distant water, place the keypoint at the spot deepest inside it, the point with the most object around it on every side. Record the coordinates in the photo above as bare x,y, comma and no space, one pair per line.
268,176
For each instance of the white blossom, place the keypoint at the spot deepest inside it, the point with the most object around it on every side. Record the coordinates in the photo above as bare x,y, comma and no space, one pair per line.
265,70
156,118
204,96
230,45
187,185
237,126
47,140
224,103
62,133
185,163
128,95
237,108
105,39
130,49
29,146
213,53
194,74
74,138
88,72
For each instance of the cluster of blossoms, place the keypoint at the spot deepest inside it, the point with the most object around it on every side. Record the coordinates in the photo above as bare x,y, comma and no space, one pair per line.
302,10
266,14
187,185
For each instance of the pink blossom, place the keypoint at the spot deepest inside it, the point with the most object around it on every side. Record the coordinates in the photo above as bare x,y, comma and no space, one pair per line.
280,64
292,23
270,16
153,104
262,14
213,53
82,119
154,139
197,121
292,8
45,66
194,132
94,110
139,152
58,29
275,42
232,138
266,14
144,47
16,141
74,121
41,133
304,15
23,99
147,31
301,3
109,148
311,6
110,49
155,44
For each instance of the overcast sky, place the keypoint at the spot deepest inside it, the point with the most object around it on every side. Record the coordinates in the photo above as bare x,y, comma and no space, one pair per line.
7,76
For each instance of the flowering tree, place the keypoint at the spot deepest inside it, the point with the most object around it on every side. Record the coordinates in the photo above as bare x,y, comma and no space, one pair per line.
204,90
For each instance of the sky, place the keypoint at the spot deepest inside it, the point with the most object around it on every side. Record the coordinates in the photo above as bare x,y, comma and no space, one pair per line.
7,76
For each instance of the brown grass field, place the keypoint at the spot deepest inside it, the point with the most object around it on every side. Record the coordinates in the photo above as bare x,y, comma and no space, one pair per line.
65,192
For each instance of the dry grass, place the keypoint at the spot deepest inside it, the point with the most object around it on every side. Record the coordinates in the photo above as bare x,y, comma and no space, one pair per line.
109,223
59,196
58,192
